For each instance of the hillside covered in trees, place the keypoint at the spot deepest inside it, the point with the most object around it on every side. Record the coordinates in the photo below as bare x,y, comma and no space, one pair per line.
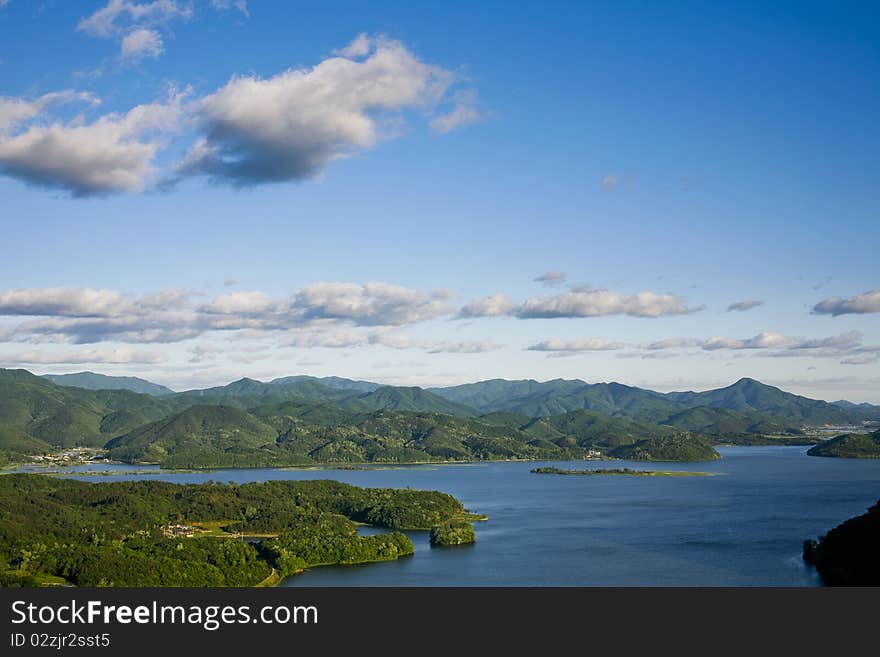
302,420
849,554
151,533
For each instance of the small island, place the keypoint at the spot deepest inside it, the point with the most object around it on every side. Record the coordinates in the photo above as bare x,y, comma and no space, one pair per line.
849,446
453,532
849,554
623,471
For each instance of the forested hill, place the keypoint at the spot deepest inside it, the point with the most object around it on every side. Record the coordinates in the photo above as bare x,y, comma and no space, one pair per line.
296,434
153,533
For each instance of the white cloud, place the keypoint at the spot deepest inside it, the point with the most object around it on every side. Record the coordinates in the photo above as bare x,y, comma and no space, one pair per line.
360,46
253,130
765,340
869,302
292,125
115,153
674,343
465,111
120,15
86,315
84,302
371,304
497,305
223,5
15,111
742,306
463,347
589,302
240,303
846,345
576,346
550,278
141,43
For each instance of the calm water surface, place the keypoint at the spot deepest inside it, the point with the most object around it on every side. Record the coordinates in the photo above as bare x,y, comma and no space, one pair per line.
744,526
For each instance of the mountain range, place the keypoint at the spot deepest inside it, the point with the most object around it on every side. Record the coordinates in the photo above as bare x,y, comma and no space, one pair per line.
302,419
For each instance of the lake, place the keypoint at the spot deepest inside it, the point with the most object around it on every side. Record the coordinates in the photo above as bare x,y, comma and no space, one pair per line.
744,526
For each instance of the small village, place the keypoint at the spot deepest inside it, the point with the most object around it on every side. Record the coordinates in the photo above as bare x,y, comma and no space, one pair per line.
72,456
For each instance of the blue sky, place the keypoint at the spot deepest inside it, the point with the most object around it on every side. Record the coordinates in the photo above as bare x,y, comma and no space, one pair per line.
198,191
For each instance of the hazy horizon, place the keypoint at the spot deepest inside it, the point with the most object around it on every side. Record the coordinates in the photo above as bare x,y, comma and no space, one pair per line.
378,381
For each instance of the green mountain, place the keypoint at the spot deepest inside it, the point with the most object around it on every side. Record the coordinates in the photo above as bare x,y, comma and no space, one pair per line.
209,435
561,396
407,399
722,425
301,433
332,382
92,381
35,412
750,395
850,445
765,409
248,393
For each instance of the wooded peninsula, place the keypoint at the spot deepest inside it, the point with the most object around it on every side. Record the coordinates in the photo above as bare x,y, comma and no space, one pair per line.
152,533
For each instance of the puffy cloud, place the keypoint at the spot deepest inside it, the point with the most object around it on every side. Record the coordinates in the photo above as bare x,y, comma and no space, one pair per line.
240,303
87,315
360,46
576,346
465,110
141,43
765,340
846,345
497,305
253,130
107,357
742,306
120,15
66,302
550,278
869,302
112,154
589,302
843,341
372,304
292,125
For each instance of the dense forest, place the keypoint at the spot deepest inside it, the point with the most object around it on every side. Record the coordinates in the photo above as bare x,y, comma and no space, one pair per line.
849,554
151,533
850,445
